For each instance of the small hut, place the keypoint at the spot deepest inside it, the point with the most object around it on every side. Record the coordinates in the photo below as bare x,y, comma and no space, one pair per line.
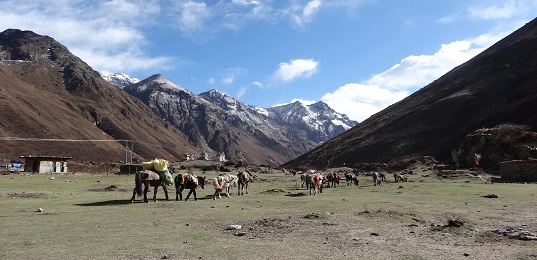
45,164
130,168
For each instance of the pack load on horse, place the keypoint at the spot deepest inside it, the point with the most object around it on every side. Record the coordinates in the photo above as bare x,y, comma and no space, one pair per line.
155,174
187,181
159,166
223,183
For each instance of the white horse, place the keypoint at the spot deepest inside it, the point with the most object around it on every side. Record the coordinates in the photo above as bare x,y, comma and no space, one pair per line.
376,178
224,182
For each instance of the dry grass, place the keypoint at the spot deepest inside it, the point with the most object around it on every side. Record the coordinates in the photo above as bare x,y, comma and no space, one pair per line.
84,218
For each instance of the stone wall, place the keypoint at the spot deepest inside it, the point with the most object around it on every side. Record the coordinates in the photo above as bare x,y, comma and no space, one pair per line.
519,171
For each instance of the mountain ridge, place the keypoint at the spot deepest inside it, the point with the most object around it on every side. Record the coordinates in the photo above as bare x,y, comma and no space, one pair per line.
50,94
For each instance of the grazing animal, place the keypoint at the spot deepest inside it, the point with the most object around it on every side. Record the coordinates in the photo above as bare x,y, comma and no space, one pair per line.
187,181
400,177
224,182
376,178
315,183
382,176
332,179
305,179
350,178
396,176
243,180
147,178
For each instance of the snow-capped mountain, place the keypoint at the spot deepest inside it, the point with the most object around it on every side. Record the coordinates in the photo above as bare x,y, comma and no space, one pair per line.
120,80
236,134
217,122
318,120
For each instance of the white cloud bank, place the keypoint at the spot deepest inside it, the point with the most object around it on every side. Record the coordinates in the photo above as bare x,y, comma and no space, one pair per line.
104,34
361,100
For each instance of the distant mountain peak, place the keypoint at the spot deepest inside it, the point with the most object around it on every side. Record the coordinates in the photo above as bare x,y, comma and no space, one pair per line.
223,100
120,80
158,81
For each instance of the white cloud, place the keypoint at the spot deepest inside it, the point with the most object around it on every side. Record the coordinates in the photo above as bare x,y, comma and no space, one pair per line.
299,68
211,81
231,75
447,19
361,100
414,71
245,2
303,14
228,79
193,15
507,9
241,93
125,61
97,33
258,84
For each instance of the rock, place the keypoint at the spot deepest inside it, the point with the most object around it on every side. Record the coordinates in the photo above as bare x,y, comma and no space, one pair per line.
492,196
39,210
375,234
240,234
233,227
527,237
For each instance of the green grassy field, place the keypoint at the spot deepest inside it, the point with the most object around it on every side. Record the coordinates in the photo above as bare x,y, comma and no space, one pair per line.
91,216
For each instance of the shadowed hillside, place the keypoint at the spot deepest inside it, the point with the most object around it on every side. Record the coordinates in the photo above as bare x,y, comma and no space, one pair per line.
495,87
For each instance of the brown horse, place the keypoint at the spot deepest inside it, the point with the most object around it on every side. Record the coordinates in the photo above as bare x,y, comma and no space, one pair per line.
187,181
244,179
332,179
147,178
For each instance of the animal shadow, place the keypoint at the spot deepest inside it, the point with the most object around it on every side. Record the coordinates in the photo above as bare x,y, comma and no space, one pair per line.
105,203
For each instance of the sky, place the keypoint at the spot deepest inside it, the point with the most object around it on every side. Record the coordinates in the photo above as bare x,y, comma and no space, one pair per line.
358,56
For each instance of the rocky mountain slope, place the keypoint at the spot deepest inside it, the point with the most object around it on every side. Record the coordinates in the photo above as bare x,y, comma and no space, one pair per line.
51,100
278,134
240,136
496,87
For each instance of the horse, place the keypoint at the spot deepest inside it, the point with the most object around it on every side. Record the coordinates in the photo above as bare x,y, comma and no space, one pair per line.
315,182
147,178
351,178
376,178
305,179
224,182
382,176
332,179
243,180
187,181
396,176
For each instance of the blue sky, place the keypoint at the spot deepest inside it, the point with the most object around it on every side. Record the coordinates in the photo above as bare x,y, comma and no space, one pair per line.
358,56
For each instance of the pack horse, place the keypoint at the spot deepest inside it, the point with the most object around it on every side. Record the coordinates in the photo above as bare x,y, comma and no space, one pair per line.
148,179
187,181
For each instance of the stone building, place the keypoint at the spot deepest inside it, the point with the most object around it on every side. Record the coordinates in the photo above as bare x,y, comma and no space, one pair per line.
45,164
